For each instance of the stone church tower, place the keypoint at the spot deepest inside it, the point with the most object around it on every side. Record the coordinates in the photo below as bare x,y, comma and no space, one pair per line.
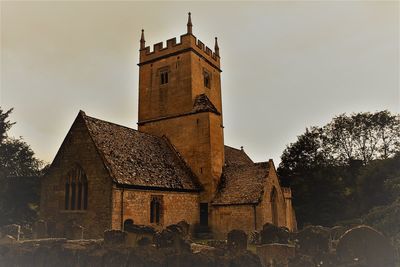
180,98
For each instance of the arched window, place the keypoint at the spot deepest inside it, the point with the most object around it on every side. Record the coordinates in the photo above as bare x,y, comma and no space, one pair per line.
156,209
76,190
274,206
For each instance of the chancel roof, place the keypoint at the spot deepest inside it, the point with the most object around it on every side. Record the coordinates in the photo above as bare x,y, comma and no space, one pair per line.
138,159
242,181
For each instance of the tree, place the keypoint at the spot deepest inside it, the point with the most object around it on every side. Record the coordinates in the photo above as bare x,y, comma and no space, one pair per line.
303,155
16,160
346,163
362,136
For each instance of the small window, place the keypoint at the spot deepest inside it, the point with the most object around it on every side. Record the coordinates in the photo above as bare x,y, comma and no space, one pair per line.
164,77
207,79
156,209
76,190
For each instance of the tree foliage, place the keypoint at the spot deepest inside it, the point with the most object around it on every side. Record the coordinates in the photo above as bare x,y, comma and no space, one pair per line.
362,136
18,204
350,162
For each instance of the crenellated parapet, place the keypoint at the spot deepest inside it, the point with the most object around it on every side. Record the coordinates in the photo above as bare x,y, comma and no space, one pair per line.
188,42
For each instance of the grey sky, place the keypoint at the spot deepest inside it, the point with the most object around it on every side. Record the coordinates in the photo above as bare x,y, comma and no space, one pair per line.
286,65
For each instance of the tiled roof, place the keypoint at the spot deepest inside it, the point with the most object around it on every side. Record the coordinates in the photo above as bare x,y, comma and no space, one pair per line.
242,181
235,156
140,159
202,103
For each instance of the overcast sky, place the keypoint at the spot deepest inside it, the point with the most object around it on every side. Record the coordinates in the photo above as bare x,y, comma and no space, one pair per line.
286,65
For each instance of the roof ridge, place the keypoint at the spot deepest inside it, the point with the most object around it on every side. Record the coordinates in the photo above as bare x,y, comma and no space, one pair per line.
99,151
113,123
119,125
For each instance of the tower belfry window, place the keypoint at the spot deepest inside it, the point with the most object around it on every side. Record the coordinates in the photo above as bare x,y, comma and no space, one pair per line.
164,77
207,79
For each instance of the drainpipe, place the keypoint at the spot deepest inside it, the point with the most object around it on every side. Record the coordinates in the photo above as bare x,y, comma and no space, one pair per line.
122,209
255,217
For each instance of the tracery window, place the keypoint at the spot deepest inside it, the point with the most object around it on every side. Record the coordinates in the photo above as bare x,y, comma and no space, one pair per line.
76,190
156,209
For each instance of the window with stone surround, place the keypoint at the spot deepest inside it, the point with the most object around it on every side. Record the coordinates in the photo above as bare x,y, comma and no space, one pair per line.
76,190
207,79
164,76
156,209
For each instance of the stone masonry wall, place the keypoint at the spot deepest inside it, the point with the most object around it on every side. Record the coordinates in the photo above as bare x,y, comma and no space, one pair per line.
227,218
77,148
265,208
177,206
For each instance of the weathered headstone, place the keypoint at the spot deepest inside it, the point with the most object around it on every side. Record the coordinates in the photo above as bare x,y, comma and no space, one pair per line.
237,240
173,237
274,234
114,237
40,229
137,232
366,246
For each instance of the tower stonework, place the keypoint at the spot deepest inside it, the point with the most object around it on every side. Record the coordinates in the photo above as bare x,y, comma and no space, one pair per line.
180,98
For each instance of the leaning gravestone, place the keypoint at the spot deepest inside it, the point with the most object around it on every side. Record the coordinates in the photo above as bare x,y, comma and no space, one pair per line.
365,246
237,240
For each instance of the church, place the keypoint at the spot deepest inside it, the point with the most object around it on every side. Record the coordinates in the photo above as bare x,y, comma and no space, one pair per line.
174,167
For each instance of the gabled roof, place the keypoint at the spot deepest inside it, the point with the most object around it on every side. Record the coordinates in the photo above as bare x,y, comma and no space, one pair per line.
203,103
235,156
242,181
139,160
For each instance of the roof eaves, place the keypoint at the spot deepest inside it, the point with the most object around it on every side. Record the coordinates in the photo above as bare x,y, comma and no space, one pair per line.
155,188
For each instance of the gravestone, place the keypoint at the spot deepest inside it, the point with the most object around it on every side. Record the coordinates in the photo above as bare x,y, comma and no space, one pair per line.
274,234
237,240
138,232
366,246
